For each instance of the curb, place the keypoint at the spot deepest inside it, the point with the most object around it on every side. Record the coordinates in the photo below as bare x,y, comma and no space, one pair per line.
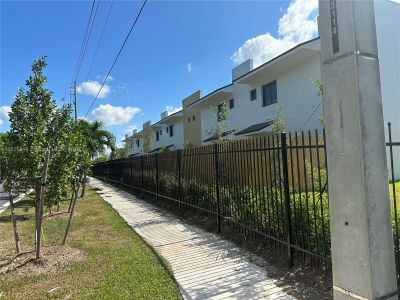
16,199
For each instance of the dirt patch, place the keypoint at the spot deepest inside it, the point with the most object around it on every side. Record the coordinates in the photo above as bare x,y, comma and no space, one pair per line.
52,259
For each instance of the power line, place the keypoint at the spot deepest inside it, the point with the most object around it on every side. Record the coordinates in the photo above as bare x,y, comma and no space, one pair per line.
308,120
101,37
87,40
116,58
83,42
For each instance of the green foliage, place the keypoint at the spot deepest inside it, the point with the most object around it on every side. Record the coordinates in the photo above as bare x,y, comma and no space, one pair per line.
279,121
219,125
318,86
96,138
119,153
37,124
147,139
188,144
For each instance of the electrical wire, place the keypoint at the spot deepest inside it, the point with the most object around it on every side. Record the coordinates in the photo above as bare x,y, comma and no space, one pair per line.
116,58
100,40
84,41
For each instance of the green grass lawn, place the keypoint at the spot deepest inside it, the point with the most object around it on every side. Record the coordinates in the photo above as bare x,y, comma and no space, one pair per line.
112,261
397,189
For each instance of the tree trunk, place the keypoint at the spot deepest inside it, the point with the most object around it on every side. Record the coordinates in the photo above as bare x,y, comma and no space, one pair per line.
40,205
72,197
72,209
83,186
58,205
14,222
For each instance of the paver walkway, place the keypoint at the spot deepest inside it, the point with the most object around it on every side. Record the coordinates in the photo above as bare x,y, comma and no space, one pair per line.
205,265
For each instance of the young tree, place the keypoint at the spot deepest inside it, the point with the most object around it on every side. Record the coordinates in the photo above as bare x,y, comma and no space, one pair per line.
219,126
279,121
147,132
37,124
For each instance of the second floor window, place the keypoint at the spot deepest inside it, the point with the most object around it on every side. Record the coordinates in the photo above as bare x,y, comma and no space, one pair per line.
269,94
157,136
137,143
171,130
253,95
231,103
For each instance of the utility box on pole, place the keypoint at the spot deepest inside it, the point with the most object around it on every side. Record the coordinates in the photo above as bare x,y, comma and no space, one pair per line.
362,242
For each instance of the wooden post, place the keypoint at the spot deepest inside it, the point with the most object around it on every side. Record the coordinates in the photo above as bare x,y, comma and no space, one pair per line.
77,186
14,222
40,205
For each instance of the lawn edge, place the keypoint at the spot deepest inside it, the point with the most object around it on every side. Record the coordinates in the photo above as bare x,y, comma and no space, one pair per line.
161,259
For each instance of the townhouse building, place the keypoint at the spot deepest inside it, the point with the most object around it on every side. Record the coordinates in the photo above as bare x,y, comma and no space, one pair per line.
284,86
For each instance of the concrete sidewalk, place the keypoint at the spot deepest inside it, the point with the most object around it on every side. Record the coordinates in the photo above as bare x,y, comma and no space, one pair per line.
204,265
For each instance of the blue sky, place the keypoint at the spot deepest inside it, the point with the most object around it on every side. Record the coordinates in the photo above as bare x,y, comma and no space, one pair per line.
175,49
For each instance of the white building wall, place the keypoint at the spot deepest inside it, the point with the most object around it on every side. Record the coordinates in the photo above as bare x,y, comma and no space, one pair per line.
297,96
177,139
154,144
166,140
135,148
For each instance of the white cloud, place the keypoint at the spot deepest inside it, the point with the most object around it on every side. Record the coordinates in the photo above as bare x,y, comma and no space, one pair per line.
92,88
102,77
114,115
189,67
298,24
4,111
129,130
171,110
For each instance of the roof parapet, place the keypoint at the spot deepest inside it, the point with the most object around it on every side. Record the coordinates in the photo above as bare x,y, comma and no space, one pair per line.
242,69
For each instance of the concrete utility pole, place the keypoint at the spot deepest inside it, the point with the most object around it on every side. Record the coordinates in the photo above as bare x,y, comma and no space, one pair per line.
76,112
362,242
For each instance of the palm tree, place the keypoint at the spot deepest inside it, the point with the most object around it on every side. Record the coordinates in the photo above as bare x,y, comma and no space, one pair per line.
97,140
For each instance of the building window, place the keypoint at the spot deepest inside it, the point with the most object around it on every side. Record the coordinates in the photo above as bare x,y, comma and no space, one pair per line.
270,94
171,130
231,103
253,95
137,143
193,119
160,131
189,120
157,136
167,128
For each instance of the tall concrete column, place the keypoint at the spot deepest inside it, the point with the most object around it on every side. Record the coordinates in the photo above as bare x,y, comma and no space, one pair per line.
362,242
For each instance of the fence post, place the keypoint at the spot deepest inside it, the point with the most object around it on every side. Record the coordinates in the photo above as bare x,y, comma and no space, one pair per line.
156,176
285,172
130,174
217,187
179,178
141,167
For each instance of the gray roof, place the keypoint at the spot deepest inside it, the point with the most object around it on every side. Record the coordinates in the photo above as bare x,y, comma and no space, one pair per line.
255,127
214,137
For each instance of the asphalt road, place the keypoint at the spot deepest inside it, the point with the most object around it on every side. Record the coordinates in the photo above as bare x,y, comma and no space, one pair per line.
3,196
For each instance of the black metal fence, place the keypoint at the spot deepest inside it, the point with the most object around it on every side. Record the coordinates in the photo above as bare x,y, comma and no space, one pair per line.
272,188
394,190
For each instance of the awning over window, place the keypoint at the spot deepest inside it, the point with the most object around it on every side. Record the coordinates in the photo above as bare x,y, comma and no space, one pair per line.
214,137
255,127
